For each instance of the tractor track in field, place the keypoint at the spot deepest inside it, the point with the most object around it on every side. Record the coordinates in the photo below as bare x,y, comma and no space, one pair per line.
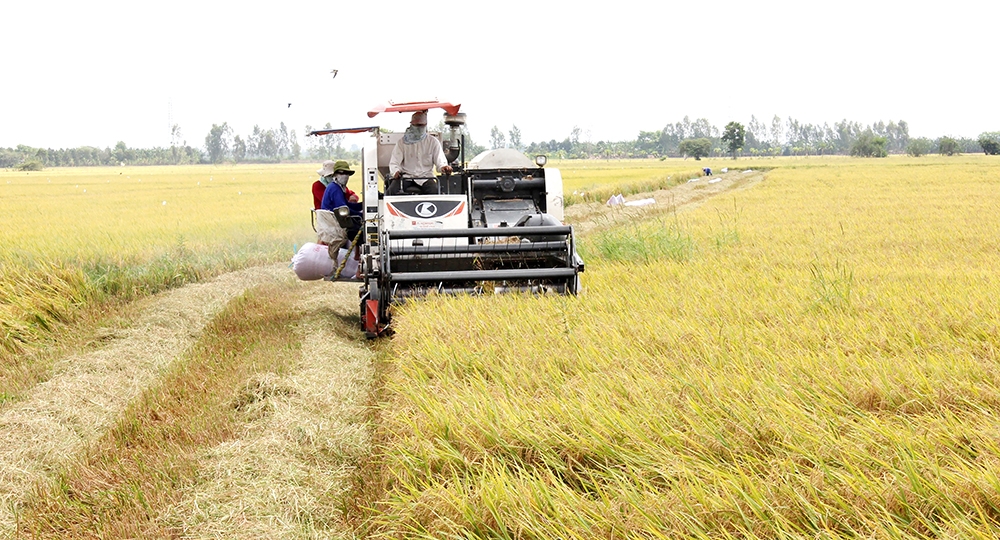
89,390
682,197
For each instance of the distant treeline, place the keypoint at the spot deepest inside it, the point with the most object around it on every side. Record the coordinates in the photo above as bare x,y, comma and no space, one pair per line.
27,157
776,138
221,145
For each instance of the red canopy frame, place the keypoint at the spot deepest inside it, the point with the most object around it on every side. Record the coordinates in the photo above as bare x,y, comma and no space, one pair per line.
410,106
343,130
414,106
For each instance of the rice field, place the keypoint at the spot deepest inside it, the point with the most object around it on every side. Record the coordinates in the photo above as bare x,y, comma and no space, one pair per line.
76,239
82,214
815,357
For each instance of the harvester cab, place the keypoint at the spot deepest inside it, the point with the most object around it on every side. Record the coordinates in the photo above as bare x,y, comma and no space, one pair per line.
495,225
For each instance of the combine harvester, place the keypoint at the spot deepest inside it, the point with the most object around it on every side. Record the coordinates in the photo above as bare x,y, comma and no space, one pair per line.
494,227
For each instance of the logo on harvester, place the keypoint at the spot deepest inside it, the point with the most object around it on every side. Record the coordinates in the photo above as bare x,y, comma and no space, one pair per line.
426,209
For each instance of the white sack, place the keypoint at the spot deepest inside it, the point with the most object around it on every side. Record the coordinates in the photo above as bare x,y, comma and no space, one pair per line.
350,268
312,262
641,202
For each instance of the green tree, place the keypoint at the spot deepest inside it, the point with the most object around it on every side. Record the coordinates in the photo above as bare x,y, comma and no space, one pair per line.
919,146
268,145
217,142
497,139
898,135
990,142
648,143
122,153
296,149
756,135
869,145
331,143
948,146
735,137
284,144
175,135
253,142
313,142
515,138
776,134
696,148
239,149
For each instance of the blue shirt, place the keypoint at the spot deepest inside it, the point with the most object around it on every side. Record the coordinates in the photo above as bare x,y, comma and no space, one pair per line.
334,198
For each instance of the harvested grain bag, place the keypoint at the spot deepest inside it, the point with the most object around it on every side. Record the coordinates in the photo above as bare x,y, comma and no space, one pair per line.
313,262
350,267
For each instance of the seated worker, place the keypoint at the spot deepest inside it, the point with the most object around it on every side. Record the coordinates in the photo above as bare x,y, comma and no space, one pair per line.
325,176
338,219
415,156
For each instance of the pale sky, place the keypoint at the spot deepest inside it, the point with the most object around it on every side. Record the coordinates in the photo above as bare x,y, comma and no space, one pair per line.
93,73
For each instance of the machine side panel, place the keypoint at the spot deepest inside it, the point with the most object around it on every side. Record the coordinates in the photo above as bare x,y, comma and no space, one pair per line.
554,202
369,164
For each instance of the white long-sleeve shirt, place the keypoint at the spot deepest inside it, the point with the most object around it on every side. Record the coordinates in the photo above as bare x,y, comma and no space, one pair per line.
417,160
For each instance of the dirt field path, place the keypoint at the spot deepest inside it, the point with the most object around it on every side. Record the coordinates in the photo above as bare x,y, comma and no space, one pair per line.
286,474
683,197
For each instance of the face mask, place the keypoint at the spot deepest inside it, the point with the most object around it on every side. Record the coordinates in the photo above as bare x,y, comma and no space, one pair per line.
342,178
414,134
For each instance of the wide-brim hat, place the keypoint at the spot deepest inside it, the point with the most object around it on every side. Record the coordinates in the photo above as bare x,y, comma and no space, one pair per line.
342,166
331,167
327,169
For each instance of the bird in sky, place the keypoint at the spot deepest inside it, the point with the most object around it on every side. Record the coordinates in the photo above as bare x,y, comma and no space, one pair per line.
334,73
289,105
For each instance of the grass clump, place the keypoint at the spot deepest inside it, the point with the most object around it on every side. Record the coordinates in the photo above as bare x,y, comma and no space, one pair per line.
645,242
832,287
